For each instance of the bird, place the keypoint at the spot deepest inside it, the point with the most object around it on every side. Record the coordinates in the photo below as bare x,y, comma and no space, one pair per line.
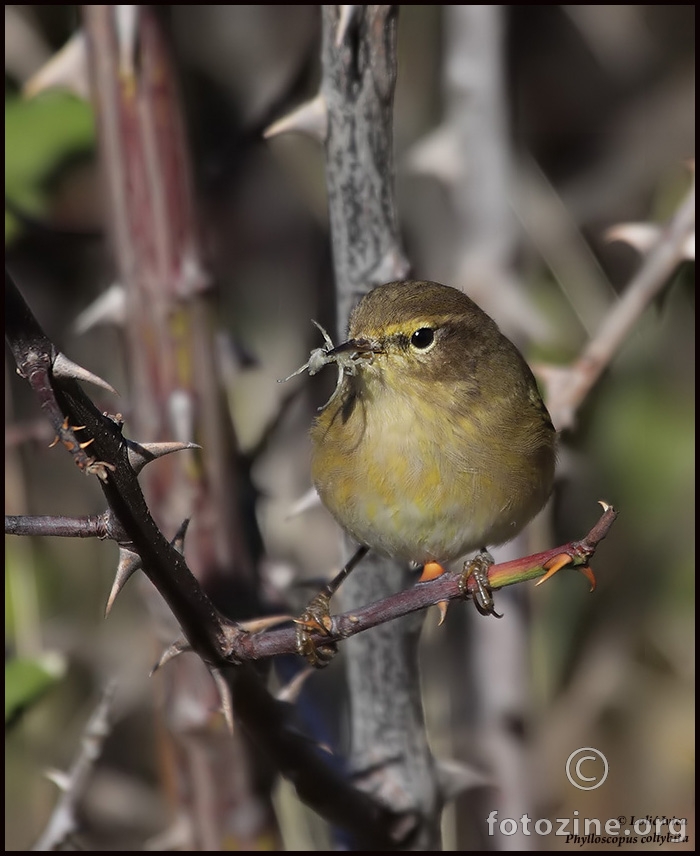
436,441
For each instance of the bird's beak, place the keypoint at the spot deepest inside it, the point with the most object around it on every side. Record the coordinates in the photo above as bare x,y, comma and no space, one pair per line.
356,347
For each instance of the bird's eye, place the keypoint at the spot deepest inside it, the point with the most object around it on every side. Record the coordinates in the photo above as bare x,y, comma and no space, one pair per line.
423,338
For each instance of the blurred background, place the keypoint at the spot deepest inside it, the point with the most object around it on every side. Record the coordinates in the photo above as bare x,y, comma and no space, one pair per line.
599,122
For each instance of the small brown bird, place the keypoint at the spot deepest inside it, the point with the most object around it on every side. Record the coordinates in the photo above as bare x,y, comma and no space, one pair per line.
436,441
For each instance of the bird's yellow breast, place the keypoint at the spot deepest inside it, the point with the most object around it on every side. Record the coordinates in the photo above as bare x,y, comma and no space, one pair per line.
418,471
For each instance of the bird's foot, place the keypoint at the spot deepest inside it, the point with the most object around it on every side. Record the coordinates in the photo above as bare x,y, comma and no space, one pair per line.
475,583
316,618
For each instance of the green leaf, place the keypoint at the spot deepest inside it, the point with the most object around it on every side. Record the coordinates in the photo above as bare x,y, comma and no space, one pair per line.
27,680
40,134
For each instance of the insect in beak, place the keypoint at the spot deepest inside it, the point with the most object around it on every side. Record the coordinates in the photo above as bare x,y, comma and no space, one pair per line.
345,357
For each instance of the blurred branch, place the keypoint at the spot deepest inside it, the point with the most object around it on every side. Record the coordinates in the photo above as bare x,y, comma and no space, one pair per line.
566,388
63,822
471,153
389,749
176,393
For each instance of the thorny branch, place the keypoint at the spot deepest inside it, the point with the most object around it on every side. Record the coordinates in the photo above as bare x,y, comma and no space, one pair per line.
63,823
218,641
208,633
566,388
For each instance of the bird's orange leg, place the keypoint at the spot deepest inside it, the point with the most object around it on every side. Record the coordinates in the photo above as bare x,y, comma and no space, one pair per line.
431,571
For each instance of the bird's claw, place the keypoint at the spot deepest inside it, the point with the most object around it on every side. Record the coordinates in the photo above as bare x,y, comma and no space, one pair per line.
474,584
316,618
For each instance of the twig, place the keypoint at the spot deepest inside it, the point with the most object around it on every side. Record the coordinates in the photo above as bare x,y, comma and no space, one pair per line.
567,388
63,822
242,646
92,526
450,586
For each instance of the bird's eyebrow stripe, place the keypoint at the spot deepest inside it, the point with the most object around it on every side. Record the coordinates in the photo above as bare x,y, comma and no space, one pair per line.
415,324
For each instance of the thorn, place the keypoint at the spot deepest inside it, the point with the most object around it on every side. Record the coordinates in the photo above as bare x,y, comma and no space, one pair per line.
310,499
291,691
605,505
442,606
129,563
455,777
178,541
640,236
126,19
54,442
86,443
63,367
258,625
225,695
311,118
59,778
439,155
141,454
347,13
66,69
179,646
643,236
431,571
108,308
554,565
589,575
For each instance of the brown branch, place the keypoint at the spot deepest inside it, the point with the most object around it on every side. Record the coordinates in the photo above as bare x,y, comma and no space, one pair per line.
448,587
242,646
93,526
